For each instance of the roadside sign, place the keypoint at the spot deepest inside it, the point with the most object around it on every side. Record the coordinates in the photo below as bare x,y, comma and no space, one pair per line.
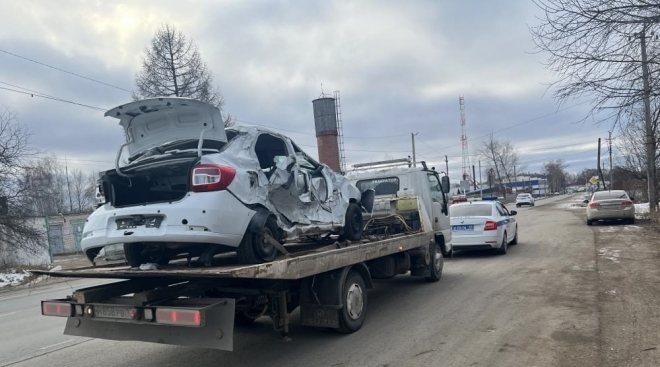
594,180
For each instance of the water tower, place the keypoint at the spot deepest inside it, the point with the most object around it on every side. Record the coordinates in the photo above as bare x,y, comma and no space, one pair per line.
327,132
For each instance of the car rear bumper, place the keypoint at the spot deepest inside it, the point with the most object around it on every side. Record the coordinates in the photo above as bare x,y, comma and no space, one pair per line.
611,214
209,217
476,242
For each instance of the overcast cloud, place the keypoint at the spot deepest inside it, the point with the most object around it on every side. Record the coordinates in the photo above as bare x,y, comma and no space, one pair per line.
400,67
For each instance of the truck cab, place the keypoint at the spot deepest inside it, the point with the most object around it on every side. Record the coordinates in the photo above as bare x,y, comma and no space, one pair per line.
397,192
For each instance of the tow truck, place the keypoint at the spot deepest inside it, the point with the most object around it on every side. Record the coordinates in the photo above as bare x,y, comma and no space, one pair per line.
189,304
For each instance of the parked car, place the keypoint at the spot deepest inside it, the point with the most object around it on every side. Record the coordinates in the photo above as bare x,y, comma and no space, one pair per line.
192,187
483,225
610,205
524,199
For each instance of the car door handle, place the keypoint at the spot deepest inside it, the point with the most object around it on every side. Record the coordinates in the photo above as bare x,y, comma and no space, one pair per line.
436,219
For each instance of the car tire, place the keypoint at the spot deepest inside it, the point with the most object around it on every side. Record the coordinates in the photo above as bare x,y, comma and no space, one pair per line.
590,222
353,223
437,263
504,246
518,205
354,298
134,253
254,249
515,239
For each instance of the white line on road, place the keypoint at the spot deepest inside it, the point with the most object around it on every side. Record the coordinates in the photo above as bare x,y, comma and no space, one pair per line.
8,314
56,344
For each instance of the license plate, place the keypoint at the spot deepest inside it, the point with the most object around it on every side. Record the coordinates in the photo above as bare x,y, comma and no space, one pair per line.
148,221
469,227
113,312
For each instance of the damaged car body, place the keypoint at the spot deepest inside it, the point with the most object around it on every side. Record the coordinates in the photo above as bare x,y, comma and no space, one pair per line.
192,187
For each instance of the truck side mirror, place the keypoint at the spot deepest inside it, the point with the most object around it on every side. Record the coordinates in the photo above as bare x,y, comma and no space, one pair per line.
445,184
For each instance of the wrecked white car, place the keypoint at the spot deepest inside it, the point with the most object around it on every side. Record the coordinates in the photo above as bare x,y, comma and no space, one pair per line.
192,187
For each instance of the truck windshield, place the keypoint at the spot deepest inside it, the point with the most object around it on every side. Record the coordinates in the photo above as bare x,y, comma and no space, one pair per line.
472,210
382,186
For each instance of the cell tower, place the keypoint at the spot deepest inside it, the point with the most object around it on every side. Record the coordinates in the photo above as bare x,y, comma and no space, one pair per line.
340,133
464,141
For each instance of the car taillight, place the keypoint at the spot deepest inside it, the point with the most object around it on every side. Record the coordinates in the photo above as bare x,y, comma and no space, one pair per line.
61,309
627,203
208,177
173,316
490,225
594,205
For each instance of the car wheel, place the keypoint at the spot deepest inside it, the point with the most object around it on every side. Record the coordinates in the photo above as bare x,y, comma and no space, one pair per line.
590,222
255,249
353,223
354,297
515,239
136,255
504,246
437,263
518,205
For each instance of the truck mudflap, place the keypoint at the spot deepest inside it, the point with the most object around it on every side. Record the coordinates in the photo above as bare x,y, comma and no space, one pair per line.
216,331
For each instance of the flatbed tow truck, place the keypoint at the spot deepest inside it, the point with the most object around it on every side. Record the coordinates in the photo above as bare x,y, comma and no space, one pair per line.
187,304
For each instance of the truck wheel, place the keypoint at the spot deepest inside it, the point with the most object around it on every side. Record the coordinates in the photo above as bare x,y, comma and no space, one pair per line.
503,247
437,263
254,249
590,222
352,223
352,315
135,255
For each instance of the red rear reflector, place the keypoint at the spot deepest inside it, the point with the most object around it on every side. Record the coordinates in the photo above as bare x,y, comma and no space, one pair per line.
627,203
594,205
56,309
173,316
207,177
490,225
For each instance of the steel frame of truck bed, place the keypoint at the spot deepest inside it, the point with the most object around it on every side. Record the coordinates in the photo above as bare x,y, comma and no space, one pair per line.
314,278
294,267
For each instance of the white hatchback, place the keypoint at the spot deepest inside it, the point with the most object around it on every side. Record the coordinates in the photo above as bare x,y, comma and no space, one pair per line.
483,225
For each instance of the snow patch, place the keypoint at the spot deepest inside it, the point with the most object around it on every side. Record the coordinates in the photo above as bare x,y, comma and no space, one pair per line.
610,254
571,206
11,277
608,229
612,292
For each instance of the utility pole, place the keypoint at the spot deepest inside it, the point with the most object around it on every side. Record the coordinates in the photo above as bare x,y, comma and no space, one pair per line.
474,178
412,135
609,148
650,136
515,178
66,169
481,189
446,166
600,171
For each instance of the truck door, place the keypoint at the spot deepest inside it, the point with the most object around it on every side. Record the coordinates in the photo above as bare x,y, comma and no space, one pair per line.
440,209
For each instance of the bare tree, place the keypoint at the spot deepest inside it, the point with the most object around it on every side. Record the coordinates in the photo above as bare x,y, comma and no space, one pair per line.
501,156
599,49
82,190
173,66
16,208
48,187
555,173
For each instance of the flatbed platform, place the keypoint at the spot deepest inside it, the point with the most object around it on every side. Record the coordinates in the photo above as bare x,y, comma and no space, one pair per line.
300,263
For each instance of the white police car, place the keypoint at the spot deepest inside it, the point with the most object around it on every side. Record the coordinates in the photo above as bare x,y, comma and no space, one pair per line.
483,225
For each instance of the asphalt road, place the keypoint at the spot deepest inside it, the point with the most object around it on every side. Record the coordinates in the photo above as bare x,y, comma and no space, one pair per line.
535,306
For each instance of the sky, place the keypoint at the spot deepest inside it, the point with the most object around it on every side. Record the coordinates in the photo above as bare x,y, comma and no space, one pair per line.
400,67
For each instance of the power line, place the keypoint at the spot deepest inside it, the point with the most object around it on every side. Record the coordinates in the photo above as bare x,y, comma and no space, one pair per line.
66,71
41,95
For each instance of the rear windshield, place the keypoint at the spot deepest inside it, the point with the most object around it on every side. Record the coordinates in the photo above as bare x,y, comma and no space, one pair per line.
472,210
605,195
524,195
382,186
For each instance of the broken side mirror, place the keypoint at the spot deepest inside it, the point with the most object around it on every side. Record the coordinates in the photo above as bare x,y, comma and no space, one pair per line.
445,184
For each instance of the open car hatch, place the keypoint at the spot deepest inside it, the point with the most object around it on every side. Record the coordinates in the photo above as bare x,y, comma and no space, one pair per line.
152,122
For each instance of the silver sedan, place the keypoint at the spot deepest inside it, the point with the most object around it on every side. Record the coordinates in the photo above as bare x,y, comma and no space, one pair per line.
610,205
